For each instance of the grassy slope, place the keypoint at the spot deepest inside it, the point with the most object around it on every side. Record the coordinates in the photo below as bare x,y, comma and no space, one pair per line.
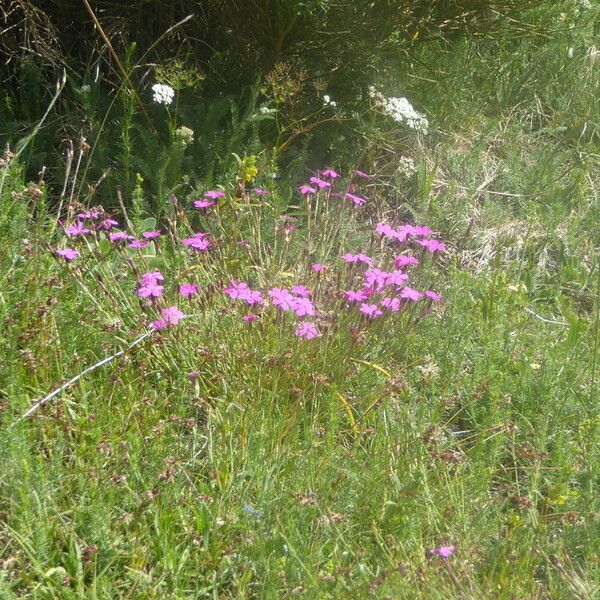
136,485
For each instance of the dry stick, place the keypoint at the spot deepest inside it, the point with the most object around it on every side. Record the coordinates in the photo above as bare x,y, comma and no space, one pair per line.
118,61
75,379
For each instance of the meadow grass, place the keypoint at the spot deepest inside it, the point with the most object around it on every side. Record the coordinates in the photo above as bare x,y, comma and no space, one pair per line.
225,459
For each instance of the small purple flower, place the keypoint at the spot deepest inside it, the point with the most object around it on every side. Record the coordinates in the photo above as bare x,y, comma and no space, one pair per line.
357,295
444,552
119,235
169,316
187,290
200,204
392,304
320,183
151,276
76,229
303,307
214,194
68,254
107,224
139,244
261,192
306,330
361,174
151,235
330,173
318,267
249,318
151,289
197,242
357,258
371,310
434,296
432,245
300,290
307,189
358,200
409,293
282,299
403,261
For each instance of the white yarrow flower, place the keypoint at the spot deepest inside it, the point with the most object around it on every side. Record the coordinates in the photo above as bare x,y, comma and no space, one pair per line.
401,110
163,94
327,101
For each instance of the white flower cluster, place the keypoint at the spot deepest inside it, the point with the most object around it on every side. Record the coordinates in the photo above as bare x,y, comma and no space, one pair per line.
401,110
163,94
265,110
327,101
406,166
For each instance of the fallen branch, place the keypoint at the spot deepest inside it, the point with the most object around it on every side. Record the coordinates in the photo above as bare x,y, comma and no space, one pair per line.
75,379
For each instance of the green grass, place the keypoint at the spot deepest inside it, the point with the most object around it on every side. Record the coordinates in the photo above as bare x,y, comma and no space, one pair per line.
326,468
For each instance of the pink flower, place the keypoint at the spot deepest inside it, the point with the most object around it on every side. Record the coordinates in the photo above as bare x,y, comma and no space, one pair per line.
361,174
396,278
187,290
170,316
306,330
107,224
151,235
409,293
67,253
376,278
151,276
330,173
432,245
252,297
392,304
150,289
235,289
358,200
444,552
306,189
357,258
197,242
434,296
371,310
357,296
300,290
138,244
200,204
318,267
249,318
320,183
77,229
303,307
214,194
386,230
282,298
261,192
403,260
119,235
242,291
422,230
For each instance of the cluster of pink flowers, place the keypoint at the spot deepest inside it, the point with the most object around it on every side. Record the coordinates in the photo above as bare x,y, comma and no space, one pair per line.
404,232
150,285
378,285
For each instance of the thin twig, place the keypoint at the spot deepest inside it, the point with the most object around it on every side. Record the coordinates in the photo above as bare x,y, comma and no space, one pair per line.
75,379
551,321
